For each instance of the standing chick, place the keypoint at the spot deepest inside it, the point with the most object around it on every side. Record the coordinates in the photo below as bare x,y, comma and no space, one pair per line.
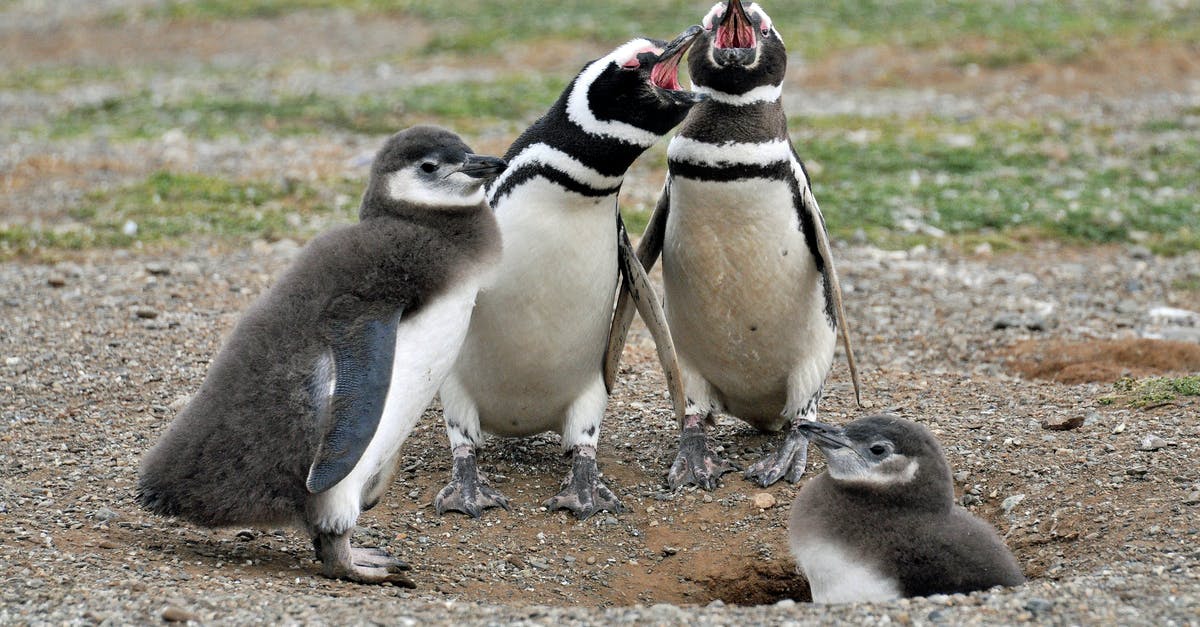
301,416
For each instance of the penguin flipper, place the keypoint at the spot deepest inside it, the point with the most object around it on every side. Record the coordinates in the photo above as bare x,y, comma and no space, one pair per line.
809,203
648,250
637,285
363,349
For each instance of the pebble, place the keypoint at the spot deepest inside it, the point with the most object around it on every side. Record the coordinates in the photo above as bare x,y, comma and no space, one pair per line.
1011,502
175,614
1152,443
763,500
56,280
145,313
1060,423
1192,499
158,269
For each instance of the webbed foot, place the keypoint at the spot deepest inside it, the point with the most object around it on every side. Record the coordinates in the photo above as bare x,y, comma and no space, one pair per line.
584,493
361,565
787,462
467,492
697,463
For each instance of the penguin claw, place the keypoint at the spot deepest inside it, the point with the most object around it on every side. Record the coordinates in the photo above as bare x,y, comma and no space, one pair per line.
788,461
366,565
467,492
584,493
697,464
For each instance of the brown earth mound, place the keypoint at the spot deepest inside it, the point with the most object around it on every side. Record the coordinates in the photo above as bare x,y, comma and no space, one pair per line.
1102,361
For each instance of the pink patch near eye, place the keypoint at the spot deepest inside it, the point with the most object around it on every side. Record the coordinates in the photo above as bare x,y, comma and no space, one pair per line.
632,63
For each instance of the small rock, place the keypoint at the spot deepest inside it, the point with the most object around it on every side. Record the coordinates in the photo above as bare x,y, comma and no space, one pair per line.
1137,471
1141,253
1192,499
130,228
56,280
669,550
763,500
1059,423
174,614
591,559
158,269
1011,502
1038,606
145,313
104,514
785,604
962,476
538,563
1152,443
12,361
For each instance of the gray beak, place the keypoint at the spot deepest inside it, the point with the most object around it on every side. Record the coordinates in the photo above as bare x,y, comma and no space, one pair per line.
479,166
825,436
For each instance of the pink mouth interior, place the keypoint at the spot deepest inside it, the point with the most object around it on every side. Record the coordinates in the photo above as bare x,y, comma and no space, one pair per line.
735,33
665,73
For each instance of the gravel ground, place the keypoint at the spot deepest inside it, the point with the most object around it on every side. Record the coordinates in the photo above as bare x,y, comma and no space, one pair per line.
1099,501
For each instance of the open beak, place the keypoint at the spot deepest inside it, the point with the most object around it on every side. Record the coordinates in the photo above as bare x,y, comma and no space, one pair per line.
479,166
827,437
665,74
735,29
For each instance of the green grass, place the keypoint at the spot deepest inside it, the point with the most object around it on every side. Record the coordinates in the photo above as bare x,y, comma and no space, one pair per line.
1152,391
988,32
169,208
465,106
1001,180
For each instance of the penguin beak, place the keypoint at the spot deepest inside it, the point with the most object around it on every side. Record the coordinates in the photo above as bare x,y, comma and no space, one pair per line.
479,166
735,29
735,43
665,74
827,437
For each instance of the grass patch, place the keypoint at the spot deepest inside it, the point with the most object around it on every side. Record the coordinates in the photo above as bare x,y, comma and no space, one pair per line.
467,107
1152,391
930,179
169,207
988,32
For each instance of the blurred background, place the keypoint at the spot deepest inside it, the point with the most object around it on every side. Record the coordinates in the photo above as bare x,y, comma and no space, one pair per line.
970,125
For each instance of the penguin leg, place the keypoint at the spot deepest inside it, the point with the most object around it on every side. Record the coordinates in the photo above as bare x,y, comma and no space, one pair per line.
468,491
583,492
790,459
362,565
697,463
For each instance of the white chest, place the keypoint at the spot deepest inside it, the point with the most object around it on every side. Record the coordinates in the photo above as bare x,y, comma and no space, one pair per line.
838,576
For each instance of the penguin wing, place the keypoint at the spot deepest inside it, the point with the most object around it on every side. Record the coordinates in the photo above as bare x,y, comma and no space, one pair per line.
637,285
363,347
807,205
647,253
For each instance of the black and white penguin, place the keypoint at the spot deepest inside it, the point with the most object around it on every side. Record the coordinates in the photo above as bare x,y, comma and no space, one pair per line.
301,416
882,523
533,357
752,297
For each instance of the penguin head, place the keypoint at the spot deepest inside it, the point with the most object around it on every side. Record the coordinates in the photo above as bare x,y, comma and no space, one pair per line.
739,50
428,167
883,453
634,92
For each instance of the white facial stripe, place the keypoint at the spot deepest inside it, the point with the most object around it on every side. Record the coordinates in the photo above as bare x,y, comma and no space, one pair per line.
406,186
764,93
579,110
767,24
561,161
876,475
726,154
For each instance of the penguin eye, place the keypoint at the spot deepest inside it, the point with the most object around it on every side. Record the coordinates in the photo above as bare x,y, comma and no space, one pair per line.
428,167
878,449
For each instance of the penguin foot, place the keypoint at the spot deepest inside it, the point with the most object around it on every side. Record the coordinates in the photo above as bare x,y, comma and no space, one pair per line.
584,493
697,463
467,492
788,461
361,565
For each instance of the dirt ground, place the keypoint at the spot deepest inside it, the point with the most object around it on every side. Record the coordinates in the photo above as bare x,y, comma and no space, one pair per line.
1098,501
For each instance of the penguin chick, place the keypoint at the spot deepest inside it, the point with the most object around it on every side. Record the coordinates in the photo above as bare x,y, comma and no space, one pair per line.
301,416
533,358
752,296
881,523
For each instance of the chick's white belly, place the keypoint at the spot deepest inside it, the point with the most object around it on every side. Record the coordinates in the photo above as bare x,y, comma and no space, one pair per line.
744,297
426,346
539,330
836,575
